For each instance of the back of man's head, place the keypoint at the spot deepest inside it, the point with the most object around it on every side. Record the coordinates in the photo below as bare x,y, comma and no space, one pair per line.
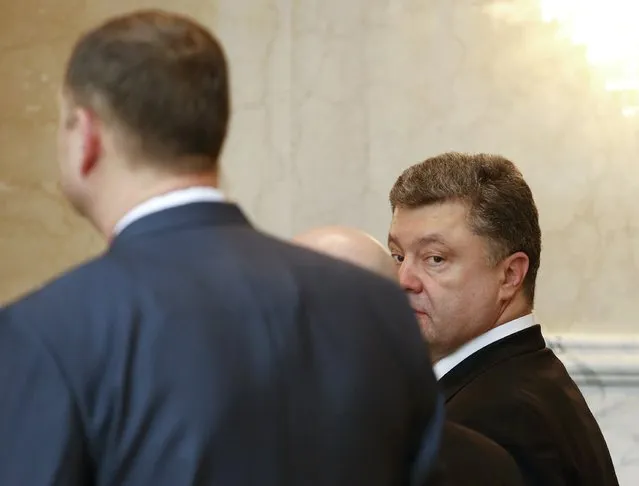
351,245
161,79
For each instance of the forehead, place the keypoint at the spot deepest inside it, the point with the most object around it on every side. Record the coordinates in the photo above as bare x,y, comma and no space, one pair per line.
445,221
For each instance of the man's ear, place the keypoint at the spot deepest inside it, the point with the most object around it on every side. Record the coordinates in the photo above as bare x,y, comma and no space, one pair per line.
88,126
514,271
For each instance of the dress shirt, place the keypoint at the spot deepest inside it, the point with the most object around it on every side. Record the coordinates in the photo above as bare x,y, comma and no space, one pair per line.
447,363
169,200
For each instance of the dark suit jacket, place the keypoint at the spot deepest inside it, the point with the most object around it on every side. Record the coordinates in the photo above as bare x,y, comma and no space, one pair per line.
517,392
467,458
198,351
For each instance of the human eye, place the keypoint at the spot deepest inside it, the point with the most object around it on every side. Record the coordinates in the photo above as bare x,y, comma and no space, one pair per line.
398,258
435,260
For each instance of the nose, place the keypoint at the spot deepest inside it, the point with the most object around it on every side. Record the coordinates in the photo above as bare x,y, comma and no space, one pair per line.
408,281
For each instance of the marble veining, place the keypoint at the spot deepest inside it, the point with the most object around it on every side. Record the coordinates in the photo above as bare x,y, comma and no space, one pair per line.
333,99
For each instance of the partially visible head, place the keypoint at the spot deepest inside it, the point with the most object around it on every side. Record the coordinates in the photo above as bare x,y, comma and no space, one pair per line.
465,236
144,94
351,245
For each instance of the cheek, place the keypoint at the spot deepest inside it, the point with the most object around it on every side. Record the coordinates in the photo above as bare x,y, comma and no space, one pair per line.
68,162
485,282
61,142
64,145
480,297
458,290
441,287
70,151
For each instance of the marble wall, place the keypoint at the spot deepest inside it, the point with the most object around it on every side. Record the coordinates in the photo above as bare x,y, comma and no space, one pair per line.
332,100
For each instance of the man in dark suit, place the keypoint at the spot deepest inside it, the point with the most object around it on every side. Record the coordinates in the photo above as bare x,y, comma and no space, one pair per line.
466,458
196,350
465,235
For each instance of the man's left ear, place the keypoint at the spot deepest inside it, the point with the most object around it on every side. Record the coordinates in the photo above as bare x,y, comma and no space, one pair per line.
514,270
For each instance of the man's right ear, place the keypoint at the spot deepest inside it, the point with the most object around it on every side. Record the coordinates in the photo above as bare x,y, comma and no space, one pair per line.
88,129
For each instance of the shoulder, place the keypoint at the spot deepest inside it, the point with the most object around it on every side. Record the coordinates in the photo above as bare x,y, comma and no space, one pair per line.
101,276
61,312
510,412
353,288
305,262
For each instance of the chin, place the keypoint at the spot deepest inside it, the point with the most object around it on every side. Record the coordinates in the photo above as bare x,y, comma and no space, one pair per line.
425,324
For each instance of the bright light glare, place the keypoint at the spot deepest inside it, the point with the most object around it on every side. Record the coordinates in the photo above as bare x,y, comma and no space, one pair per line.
607,29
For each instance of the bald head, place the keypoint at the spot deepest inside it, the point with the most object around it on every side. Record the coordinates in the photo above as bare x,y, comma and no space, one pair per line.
351,245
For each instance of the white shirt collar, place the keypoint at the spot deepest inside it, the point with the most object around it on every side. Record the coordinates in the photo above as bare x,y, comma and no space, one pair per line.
169,200
446,364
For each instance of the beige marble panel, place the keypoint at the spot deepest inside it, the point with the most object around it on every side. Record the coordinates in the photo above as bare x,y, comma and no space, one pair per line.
329,113
332,101
257,160
39,234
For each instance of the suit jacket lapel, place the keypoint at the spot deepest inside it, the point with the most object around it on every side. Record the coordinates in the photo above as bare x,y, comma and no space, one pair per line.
526,341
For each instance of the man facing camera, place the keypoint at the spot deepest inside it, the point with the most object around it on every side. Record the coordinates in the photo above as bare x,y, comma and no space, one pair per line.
197,351
465,236
466,458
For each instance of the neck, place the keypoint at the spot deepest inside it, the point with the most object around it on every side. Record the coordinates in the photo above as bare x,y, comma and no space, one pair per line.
514,309
107,212
511,310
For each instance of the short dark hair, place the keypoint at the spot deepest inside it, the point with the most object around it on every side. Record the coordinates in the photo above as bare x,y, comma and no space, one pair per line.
163,78
500,204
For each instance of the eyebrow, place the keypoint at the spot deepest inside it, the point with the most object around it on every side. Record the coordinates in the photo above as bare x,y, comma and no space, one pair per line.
423,241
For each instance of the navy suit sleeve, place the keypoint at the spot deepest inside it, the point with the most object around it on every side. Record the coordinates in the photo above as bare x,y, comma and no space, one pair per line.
429,414
432,422
40,438
430,403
